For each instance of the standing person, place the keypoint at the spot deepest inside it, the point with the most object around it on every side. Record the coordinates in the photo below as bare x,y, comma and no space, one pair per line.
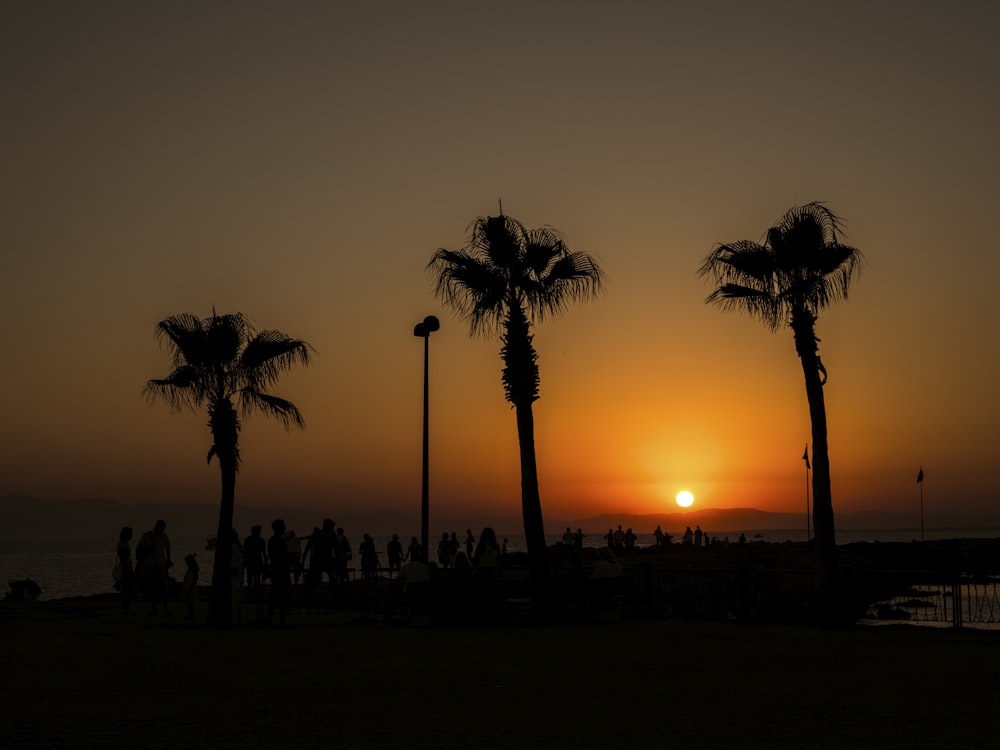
630,539
394,553
578,540
415,552
189,589
309,553
153,554
344,555
619,539
277,552
294,555
125,582
486,558
323,558
444,559
658,535
698,534
470,543
453,548
369,556
236,574
254,560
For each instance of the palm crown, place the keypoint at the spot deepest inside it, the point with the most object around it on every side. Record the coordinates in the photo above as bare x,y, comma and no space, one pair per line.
506,266
799,269
222,358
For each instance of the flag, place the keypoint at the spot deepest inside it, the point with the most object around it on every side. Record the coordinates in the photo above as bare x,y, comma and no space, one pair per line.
805,457
920,476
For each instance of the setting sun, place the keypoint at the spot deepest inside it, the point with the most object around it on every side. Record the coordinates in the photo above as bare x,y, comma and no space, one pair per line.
685,499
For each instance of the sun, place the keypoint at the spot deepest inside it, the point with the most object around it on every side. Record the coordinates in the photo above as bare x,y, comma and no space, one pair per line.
685,499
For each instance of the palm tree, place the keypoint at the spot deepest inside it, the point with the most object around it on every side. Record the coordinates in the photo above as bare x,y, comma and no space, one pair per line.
798,269
504,280
222,363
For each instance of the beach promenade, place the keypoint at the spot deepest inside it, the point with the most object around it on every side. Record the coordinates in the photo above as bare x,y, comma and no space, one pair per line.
76,673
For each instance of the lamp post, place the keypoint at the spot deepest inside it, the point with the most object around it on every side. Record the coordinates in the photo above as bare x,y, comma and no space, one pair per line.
424,330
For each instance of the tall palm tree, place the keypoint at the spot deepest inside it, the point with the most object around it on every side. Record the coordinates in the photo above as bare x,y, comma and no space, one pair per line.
503,281
222,363
798,269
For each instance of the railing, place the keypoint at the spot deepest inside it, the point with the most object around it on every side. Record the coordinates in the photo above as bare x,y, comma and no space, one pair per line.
743,593
949,598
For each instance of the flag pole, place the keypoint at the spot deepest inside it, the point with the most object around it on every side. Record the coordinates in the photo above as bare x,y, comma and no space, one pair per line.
920,481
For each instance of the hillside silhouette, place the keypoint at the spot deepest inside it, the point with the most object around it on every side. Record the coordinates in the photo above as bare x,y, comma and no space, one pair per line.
26,517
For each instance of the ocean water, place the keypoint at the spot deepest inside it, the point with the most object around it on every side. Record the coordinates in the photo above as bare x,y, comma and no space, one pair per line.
83,567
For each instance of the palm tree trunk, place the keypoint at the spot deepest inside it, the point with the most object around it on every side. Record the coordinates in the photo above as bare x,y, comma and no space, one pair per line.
221,611
225,427
827,570
520,379
531,503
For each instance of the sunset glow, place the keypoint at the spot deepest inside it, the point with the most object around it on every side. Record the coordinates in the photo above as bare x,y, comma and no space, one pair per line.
304,172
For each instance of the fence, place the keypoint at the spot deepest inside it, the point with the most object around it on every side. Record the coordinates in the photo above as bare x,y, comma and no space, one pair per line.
943,598
744,593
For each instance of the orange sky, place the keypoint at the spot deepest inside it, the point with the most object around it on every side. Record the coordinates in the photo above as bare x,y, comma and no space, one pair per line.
301,164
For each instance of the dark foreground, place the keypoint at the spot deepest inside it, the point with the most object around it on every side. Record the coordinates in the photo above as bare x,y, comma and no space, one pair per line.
75,673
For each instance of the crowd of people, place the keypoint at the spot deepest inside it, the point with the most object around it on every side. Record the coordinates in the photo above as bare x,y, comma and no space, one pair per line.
286,560
324,557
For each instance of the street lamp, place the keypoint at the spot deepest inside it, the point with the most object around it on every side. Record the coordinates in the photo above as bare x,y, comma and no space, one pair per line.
424,330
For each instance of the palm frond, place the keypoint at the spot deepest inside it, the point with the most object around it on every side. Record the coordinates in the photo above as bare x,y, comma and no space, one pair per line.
285,411
180,390
222,356
269,354
505,266
472,286
800,267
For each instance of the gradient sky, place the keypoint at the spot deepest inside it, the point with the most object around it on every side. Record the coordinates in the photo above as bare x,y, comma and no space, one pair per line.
302,162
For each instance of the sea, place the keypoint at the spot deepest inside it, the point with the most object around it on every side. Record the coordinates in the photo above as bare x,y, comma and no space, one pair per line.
75,568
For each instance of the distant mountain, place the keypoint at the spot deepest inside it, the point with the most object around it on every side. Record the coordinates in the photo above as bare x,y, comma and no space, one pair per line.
745,519
24,517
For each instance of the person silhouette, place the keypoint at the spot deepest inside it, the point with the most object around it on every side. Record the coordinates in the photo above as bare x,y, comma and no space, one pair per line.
281,569
394,554
344,554
153,553
189,589
294,555
236,573
125,570
415,552
486,558
369,556
321,550
254,559
444,559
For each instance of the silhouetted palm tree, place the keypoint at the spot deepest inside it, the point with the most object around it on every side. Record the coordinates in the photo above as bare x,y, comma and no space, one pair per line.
799,268
222,363
503,281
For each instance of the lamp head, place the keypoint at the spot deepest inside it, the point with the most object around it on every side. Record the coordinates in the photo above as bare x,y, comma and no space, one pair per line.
428,326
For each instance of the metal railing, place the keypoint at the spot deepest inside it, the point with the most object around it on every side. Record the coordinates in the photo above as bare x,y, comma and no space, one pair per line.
743,593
